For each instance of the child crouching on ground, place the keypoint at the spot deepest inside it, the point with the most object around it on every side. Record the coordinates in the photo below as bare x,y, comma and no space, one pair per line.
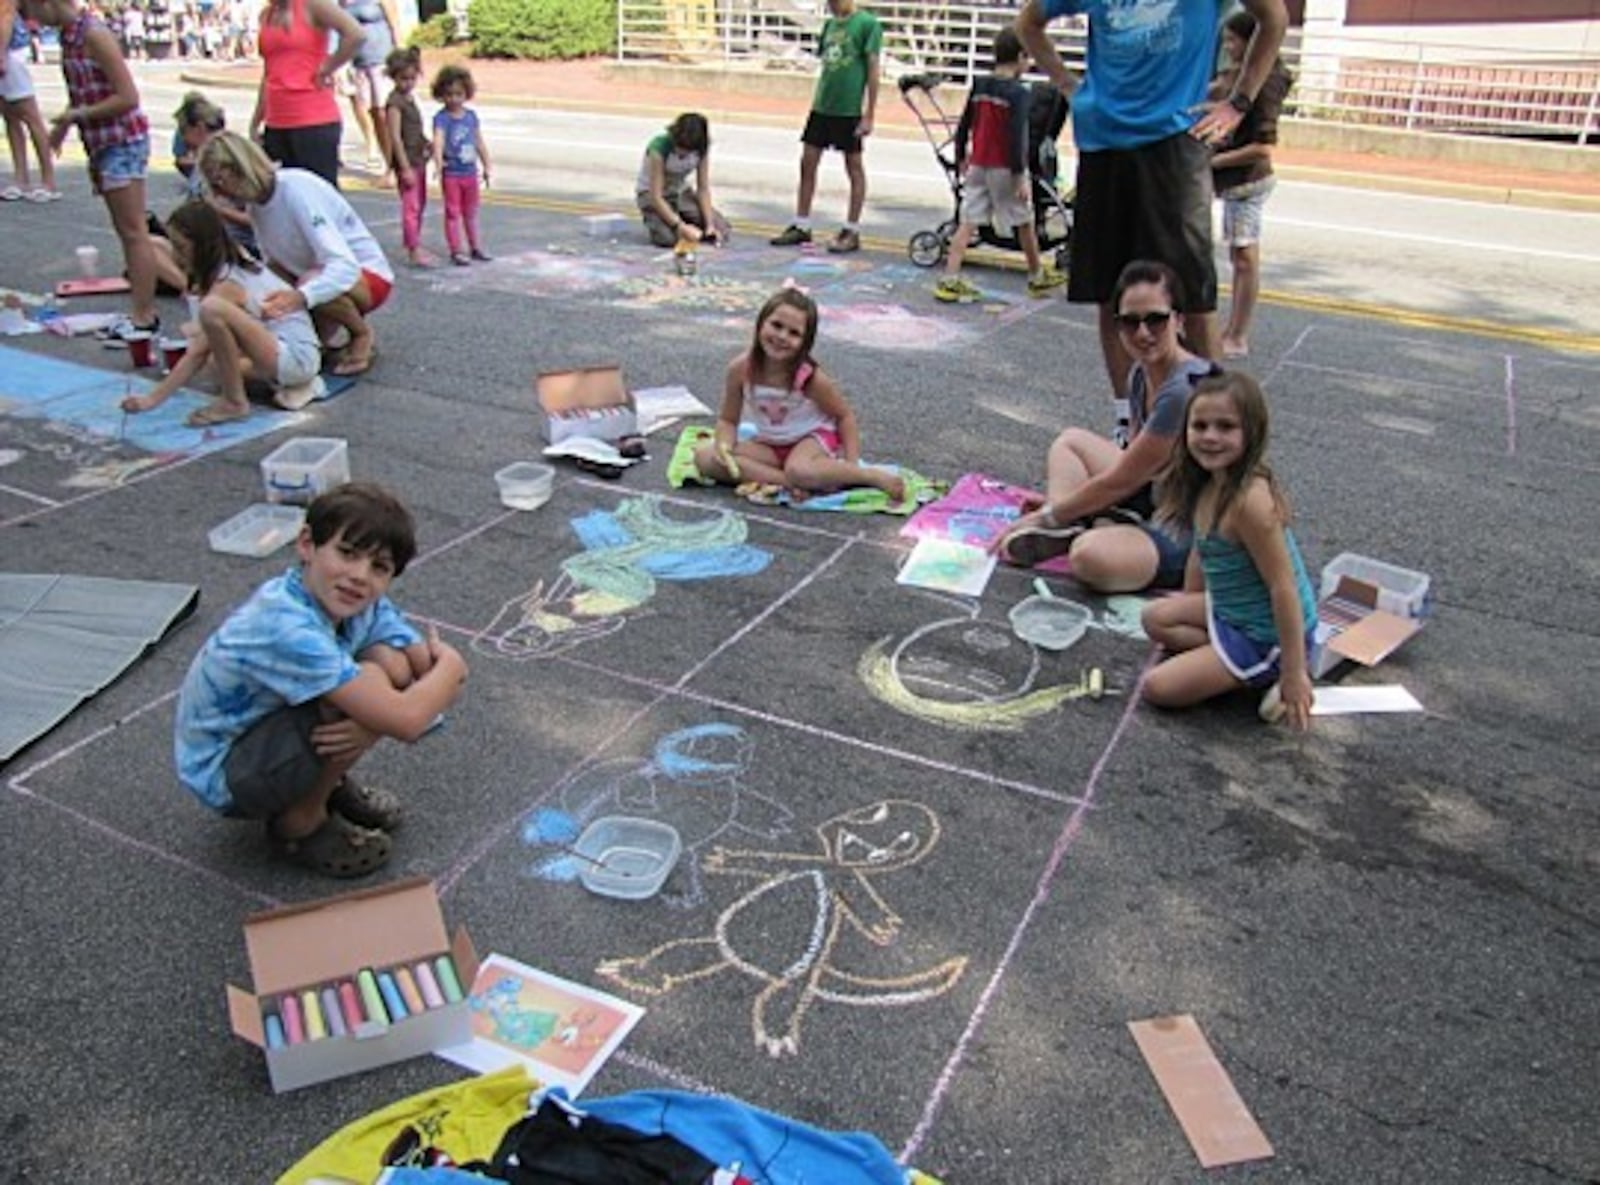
806,438
306,676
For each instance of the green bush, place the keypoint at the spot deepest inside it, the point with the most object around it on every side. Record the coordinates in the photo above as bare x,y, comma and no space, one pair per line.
542,28
438,31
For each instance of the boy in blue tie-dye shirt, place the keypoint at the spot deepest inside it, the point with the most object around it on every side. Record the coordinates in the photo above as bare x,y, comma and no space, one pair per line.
306,676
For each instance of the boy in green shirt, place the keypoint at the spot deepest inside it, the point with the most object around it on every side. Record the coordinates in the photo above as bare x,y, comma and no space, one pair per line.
841,117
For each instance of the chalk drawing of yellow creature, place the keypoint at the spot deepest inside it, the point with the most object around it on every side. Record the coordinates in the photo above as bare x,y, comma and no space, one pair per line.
784,932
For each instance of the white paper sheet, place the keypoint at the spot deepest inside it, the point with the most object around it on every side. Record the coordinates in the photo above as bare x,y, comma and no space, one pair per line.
945,566
1350,701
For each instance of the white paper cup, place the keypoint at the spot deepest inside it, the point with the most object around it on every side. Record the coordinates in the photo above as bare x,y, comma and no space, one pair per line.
89,262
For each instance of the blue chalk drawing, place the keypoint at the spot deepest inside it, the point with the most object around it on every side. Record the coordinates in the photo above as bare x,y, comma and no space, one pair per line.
625,553
693,780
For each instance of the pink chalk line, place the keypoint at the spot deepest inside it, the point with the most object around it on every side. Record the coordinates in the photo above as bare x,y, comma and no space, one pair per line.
662,690
1041,894
448,882
1511,406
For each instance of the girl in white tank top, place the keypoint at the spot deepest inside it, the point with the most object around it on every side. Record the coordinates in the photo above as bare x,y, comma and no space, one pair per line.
806,438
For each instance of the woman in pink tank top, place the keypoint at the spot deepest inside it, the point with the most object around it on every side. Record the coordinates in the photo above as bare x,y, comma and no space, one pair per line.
297,112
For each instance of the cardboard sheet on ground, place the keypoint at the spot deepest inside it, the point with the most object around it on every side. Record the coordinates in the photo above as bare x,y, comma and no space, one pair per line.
1219,1126
65,638
1351,701
660,407
561,1031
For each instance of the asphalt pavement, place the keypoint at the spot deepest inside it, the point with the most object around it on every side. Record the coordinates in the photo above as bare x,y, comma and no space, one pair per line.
1386,929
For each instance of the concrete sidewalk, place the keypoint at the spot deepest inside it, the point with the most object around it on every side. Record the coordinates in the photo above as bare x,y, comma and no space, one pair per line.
781,97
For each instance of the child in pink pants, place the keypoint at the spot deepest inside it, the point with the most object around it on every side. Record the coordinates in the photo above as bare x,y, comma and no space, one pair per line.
459,153
410,145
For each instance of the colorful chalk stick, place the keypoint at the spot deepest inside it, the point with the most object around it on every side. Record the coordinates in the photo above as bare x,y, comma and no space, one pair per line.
330,1011
391,997
350,1006
428,986
274,1031
377,1014
448,983
408,990
311,1011
293,1024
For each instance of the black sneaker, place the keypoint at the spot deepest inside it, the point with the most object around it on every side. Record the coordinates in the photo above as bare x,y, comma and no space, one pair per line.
793,236
1032,546
480,257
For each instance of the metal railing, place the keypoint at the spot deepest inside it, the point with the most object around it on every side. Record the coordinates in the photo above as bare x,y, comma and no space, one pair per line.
1339,77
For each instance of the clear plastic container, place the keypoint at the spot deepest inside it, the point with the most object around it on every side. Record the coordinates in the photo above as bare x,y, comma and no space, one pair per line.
300,469
257,530
1050,622
626,857
526,485
1401,591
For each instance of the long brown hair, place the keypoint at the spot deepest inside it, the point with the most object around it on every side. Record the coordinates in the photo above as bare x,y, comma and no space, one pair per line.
795,299
1182,482
211,250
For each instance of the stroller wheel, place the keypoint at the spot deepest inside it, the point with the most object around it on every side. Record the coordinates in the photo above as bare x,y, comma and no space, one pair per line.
926,249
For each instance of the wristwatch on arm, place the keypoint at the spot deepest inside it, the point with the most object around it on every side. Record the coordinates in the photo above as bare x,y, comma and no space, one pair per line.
1240,102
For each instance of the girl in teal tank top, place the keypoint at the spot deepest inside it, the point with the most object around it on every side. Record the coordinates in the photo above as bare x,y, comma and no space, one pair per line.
1247,611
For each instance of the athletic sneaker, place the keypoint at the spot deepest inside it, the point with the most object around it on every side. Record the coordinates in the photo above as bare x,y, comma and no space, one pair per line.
793,235
1032,546
116,335
1046,282
844,242
955,290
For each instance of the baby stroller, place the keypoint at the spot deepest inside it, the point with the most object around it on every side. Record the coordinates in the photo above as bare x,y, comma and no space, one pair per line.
1052,210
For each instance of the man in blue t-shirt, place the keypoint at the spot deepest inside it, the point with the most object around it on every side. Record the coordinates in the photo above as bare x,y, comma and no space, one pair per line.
1144,132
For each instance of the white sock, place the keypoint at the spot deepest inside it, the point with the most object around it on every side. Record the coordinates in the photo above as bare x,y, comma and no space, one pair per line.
802,223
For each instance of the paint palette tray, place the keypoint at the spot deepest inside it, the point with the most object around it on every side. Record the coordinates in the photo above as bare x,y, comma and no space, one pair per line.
621,856
258,530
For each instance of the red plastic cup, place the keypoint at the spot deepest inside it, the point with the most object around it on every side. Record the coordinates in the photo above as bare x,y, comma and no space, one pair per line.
142,349
173,350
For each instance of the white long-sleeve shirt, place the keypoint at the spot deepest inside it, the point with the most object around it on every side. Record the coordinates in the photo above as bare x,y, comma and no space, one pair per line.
305,225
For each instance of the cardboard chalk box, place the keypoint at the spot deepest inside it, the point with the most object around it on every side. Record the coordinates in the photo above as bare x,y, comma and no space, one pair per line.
327,943
591,401
1366,610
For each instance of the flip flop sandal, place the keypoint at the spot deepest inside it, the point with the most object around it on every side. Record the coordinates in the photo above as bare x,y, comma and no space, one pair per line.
598,468
367,806
211,415
338,849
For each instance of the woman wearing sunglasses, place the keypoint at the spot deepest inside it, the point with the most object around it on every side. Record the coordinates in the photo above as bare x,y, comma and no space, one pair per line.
1098,494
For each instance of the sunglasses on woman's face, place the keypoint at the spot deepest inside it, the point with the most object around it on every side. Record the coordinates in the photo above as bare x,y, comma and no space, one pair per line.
1153,321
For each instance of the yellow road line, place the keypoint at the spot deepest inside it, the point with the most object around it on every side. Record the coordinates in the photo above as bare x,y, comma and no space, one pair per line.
1532,335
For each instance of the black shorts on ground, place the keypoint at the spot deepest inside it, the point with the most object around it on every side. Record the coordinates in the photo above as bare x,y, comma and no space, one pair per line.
274,765
315,148
1151,202
832,131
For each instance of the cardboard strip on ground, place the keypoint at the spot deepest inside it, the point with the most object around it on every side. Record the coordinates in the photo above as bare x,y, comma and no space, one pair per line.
1219,1126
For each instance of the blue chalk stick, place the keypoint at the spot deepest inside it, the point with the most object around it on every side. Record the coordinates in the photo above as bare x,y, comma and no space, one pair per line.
274,1032
391,997
332,1013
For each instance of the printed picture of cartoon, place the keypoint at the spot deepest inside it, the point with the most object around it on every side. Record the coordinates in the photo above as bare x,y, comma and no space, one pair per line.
562,1031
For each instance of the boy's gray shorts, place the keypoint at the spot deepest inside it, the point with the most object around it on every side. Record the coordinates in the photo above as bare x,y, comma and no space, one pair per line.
274,764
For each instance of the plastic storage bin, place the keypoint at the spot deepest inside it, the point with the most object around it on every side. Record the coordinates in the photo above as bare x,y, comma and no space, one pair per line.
525,485
300,469
620,856
1401,591
257,530
1050,622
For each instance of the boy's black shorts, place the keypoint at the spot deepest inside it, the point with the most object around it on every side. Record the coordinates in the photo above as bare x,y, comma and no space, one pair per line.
274,765
832,131
1151,202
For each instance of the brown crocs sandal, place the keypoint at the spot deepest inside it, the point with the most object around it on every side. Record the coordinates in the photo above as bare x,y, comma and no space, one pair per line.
338,848
367,806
